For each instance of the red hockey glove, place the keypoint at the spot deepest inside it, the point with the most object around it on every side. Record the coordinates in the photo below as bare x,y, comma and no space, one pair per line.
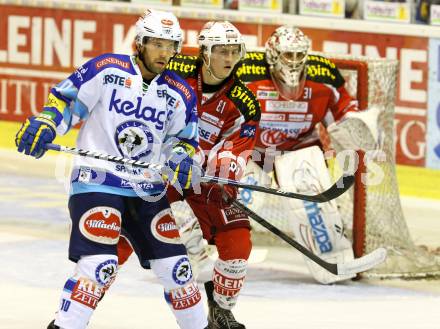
223,195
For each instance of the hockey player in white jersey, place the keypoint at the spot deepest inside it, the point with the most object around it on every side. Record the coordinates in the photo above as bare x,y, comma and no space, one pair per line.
130,106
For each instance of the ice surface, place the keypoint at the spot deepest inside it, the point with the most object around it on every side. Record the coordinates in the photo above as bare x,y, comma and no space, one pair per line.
278,292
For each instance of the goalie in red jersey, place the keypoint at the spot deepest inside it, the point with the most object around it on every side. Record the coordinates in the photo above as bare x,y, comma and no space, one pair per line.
228,121
297,91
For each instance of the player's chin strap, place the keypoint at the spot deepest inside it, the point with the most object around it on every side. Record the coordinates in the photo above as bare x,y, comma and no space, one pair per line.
342,185
351,267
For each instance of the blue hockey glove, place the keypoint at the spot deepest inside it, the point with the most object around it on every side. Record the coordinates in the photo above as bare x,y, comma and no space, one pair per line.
34,134
181,170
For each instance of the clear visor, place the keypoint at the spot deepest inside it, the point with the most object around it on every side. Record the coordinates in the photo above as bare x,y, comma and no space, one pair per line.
227,52
156,44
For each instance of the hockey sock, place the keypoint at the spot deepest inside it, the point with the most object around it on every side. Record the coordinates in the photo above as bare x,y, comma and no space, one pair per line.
234,244
181,291
228,279
83,291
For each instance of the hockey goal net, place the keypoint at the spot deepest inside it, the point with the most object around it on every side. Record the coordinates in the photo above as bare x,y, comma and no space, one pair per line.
371,211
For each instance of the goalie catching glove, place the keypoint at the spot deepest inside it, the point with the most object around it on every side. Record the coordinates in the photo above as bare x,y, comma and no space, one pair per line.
181,171
34,134
357,131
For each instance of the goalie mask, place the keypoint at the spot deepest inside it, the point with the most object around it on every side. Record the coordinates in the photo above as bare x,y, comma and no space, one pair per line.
286,54
221,36
160,25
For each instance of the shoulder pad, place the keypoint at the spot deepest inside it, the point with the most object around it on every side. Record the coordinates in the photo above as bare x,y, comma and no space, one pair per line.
253,67
244,100
100,63
184,65
323,70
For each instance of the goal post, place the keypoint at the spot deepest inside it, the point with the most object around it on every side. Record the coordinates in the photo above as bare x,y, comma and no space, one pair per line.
377,216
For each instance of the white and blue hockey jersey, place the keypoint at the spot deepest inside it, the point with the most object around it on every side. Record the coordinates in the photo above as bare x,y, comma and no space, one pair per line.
122,116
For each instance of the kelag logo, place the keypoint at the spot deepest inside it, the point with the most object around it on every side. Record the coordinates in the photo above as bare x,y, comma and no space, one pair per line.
146,113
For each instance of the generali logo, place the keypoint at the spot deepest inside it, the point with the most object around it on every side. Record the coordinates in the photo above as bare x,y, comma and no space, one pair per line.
101,224
164,228
112,60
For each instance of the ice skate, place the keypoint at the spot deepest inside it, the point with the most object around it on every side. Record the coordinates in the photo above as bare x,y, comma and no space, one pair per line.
219,318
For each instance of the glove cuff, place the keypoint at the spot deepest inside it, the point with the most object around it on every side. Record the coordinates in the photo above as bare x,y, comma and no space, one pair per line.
184,147
49,122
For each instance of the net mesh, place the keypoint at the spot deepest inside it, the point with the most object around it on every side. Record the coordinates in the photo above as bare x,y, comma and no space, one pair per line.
384,223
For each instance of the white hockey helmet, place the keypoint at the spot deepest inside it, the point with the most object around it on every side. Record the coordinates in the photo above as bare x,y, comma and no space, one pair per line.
220,33
158,24
286,54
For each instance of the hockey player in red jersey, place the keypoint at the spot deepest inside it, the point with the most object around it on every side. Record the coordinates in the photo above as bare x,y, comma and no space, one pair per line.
298,90
228,119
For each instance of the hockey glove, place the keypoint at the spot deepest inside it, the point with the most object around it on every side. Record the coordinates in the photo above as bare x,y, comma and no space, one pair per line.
181,171
34,134
222,195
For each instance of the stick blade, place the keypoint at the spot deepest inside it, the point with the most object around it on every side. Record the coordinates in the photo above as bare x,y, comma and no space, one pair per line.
363,263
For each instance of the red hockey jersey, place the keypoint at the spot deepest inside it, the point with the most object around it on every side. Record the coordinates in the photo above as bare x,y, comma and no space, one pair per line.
228,120
288,125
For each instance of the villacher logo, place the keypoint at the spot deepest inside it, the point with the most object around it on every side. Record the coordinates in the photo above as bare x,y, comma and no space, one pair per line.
101,224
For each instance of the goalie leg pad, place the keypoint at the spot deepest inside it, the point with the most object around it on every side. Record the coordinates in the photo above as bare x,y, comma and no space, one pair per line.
181,291
82,292
316,226
254,175
268,206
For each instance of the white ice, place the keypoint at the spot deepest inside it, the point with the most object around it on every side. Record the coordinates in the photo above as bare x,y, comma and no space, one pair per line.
278,292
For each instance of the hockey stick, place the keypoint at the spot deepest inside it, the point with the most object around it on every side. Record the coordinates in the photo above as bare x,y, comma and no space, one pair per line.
354,266
342,185
337,189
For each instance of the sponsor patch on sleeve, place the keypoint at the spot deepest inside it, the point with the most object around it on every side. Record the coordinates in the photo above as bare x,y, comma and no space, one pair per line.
111,61
248,130
179,86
